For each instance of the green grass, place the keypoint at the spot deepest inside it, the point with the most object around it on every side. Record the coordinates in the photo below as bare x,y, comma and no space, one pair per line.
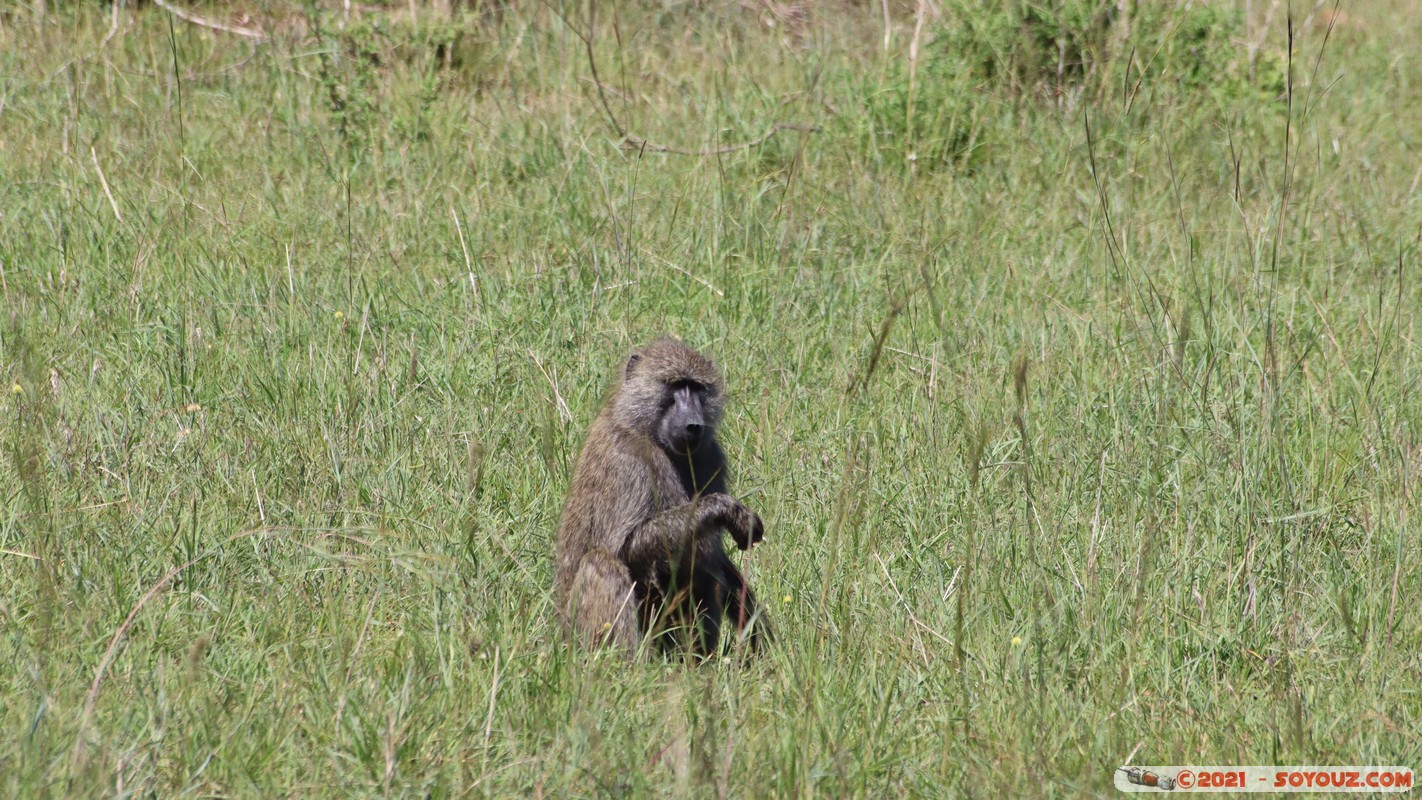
303,337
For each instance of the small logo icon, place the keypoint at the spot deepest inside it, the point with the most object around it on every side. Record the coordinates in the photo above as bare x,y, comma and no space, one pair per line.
1143,777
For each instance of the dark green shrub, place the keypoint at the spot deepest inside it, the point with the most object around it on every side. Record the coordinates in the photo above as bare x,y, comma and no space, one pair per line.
988,60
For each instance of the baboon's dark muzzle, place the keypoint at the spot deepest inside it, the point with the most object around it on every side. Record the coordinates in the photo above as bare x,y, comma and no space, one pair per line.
684,425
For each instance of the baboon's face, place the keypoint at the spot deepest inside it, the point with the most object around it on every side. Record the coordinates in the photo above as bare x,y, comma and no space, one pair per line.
672,395
684,423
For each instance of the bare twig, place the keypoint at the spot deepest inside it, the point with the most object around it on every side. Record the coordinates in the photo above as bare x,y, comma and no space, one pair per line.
489,718
105,182
604,87
113,29
188,16
261,507
113,25
688,274
909,609
1308,20
633,142
558,400
888,24
93,695
592,64
912,85
1252,50
468,264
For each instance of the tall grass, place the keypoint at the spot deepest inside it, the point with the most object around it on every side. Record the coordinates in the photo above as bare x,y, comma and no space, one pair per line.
1072,450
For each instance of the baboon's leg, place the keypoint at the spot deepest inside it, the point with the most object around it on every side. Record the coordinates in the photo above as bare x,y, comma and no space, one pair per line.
709,595
670,621
685,616
605,602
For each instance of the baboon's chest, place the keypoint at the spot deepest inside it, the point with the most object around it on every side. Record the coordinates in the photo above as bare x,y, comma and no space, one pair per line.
669,490
679,480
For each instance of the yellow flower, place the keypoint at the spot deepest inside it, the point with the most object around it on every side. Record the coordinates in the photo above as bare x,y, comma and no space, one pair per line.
1016,640
17,389
788,598
340,315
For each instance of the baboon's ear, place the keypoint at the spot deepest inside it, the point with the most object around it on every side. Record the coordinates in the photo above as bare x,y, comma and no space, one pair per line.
632,362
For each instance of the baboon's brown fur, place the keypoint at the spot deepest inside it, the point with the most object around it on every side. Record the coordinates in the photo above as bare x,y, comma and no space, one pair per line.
640,546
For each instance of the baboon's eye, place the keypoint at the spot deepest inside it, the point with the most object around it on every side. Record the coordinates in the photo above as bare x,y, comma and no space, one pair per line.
677,387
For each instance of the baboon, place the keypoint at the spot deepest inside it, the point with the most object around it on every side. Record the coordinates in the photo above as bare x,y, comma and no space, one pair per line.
639,547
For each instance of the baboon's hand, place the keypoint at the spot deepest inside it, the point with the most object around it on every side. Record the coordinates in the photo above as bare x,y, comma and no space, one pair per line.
730,514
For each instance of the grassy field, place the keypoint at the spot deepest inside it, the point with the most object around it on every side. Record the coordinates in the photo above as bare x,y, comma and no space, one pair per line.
1080,409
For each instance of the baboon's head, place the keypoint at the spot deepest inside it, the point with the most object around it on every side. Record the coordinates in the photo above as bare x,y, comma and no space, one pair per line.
672,393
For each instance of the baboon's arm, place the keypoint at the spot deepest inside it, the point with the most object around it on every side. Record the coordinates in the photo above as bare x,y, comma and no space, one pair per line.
657,538
661,536
626,521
